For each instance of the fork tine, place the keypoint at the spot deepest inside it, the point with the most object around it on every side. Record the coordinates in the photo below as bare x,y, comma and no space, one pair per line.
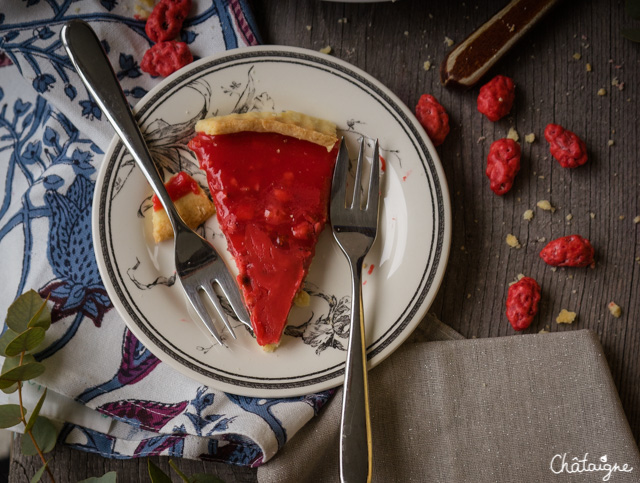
357,189
339,183
373,198
194,297
213,296
225,280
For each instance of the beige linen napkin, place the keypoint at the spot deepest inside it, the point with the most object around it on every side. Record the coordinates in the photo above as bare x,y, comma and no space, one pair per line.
526,408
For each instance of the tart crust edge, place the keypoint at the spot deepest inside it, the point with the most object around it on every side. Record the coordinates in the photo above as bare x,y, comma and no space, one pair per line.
288,123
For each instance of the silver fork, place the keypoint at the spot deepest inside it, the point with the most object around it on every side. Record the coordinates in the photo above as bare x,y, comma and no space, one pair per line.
198,265
355,228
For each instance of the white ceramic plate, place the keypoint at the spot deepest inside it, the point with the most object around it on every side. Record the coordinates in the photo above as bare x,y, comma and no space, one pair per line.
403,269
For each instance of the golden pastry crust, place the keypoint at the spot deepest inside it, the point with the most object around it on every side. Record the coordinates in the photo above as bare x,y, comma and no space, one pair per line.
269,348
288,123
194,209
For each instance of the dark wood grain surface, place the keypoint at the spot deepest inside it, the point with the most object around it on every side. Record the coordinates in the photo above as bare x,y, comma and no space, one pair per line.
392,41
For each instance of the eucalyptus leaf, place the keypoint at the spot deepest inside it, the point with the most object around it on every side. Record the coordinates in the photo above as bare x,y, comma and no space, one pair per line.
631,34
11,362
177,470
110,477
5,338
8,364
42,318
632,8
36,411
45,435
11,389
9,415
156,474
27,341
38,476
23,309
21,373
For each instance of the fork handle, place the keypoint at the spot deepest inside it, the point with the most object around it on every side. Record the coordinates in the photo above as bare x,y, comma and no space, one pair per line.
94,68
355,428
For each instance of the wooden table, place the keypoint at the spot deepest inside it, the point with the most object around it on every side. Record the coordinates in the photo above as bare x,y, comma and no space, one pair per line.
392,41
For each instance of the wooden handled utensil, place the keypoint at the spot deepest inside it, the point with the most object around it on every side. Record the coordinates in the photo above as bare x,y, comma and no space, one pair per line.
474,56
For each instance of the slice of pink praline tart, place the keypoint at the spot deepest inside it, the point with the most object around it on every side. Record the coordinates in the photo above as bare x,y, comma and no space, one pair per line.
270,179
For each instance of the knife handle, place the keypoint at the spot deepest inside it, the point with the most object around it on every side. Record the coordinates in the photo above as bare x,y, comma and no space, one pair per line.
475,55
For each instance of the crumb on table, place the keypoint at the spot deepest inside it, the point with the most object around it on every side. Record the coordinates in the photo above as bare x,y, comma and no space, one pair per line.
512,241
566,317
615,309
546,206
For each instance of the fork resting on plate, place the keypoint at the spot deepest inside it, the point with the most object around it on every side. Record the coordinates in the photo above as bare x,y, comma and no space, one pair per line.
198,265
355,228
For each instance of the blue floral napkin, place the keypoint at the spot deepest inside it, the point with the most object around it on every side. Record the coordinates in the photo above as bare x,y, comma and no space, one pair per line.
108,393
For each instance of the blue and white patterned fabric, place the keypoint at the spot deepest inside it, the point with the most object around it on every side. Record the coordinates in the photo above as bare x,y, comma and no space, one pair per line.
108,393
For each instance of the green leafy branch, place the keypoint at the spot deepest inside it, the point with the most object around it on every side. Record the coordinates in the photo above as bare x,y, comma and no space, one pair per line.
28,319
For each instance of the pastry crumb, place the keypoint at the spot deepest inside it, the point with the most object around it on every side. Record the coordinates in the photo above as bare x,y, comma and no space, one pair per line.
543,331
602,92
269,347
528,215
143,8
342,20
636,220
448,41
513,134
519,277
530,138
546,206
325,50
302,299
569,217
615,309
610,142
481,138
512,241
577,56
309,27
426,65
621,217
588,67
566,317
